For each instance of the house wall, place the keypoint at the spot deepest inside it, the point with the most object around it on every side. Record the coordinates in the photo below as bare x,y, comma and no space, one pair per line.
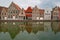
55,14
22,15
28,16
59,13
12,11
35,14
4,14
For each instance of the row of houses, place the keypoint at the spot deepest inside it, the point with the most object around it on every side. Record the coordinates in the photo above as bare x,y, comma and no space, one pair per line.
14,12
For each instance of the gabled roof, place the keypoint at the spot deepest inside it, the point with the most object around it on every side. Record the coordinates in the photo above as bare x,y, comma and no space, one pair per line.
16,6
29,10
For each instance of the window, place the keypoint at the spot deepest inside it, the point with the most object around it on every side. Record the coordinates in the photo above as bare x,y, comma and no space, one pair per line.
41,18
11,11
5,18
16,11
55,13
22,13
5,13
13,17
37,18
2,13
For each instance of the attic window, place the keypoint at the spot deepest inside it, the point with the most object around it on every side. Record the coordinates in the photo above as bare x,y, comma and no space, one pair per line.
21,13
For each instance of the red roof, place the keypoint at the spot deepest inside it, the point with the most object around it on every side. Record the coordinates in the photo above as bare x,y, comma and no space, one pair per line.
29,10
41,11
16,6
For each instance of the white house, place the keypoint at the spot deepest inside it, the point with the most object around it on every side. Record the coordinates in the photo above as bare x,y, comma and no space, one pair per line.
47,14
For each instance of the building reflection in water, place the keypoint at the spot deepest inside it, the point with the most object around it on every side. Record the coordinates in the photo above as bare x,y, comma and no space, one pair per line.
18,30
56,27
37,27
28,27
5,22
13,23
47,26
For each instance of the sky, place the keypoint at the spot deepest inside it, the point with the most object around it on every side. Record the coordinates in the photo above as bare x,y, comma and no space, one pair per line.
25,3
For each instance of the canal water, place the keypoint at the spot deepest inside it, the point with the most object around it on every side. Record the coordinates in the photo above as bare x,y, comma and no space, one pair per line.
29,30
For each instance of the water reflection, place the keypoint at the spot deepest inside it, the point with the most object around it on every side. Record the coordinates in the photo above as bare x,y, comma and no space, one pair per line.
47,26
30,30
56,27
